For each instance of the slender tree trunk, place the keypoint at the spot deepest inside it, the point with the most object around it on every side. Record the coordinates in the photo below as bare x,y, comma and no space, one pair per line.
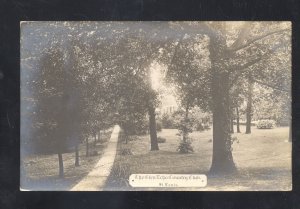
237,120
60,165
95,139
249,106
231,125
76,156
222,159
99,136
152,128
87,147
185,131
125,136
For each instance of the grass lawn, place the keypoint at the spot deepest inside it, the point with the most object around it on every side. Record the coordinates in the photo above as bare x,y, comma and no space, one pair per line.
263,159
41,171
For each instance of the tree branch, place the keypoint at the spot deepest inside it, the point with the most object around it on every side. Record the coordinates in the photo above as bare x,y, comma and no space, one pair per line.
265,55
242,35
241,69
270,86
234,49
176,49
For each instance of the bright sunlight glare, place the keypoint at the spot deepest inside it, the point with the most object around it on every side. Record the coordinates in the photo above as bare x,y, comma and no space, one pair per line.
156,76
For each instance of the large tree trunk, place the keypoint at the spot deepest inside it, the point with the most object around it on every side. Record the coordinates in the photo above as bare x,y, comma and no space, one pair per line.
237,120
152,128
60,165
222,160
249,105
76,156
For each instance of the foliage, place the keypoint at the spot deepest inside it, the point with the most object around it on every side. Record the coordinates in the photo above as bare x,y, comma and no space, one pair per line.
125,151
167,121
265,124
199,120
207,63
158,126
119,175
185,147
161,139
56,117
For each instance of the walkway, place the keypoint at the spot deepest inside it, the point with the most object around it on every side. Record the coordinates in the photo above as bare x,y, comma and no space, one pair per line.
95,180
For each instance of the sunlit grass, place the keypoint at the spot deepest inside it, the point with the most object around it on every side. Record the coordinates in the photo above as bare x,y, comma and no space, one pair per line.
263,159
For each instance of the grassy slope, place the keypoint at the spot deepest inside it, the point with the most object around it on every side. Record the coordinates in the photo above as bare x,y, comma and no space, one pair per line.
263,159
41,171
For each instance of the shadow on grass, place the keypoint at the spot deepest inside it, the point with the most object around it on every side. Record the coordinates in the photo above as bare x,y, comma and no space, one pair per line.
42,174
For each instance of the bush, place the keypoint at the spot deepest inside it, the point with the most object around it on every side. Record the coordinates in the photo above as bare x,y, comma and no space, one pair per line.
135,126
158,126
126,151
265,124
119,175
185,147
161,139
168,122
198,127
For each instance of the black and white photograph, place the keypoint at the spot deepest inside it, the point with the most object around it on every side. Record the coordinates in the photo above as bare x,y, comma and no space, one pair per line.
155,106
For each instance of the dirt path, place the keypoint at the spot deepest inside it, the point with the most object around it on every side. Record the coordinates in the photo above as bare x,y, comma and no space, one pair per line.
96,179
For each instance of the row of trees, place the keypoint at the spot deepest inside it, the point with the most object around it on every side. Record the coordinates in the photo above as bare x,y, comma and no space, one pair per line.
87,74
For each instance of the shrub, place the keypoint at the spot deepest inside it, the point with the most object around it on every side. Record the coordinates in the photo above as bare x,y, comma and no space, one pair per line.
167,121
119,175
126,151
135,126
185,147
94,153
161,139
158,126
198,127
265,124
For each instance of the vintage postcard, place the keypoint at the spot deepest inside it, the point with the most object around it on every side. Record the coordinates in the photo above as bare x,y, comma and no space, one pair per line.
156,106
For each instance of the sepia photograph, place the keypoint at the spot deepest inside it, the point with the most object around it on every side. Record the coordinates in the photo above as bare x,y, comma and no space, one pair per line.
155,106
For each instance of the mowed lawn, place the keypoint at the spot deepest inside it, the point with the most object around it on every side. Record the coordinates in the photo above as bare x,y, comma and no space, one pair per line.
40,172
263,159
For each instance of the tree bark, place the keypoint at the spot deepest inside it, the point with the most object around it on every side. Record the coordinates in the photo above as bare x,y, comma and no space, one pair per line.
76,156
237,120
152,128
231,125
249,105
222,160
60,165
185,129
87,147
99,136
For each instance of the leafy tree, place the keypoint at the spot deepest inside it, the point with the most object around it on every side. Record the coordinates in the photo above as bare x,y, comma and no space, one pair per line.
234,50
57,119
187,72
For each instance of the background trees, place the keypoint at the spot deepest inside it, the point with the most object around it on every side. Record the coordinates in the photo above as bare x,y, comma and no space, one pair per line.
235,51
98,73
